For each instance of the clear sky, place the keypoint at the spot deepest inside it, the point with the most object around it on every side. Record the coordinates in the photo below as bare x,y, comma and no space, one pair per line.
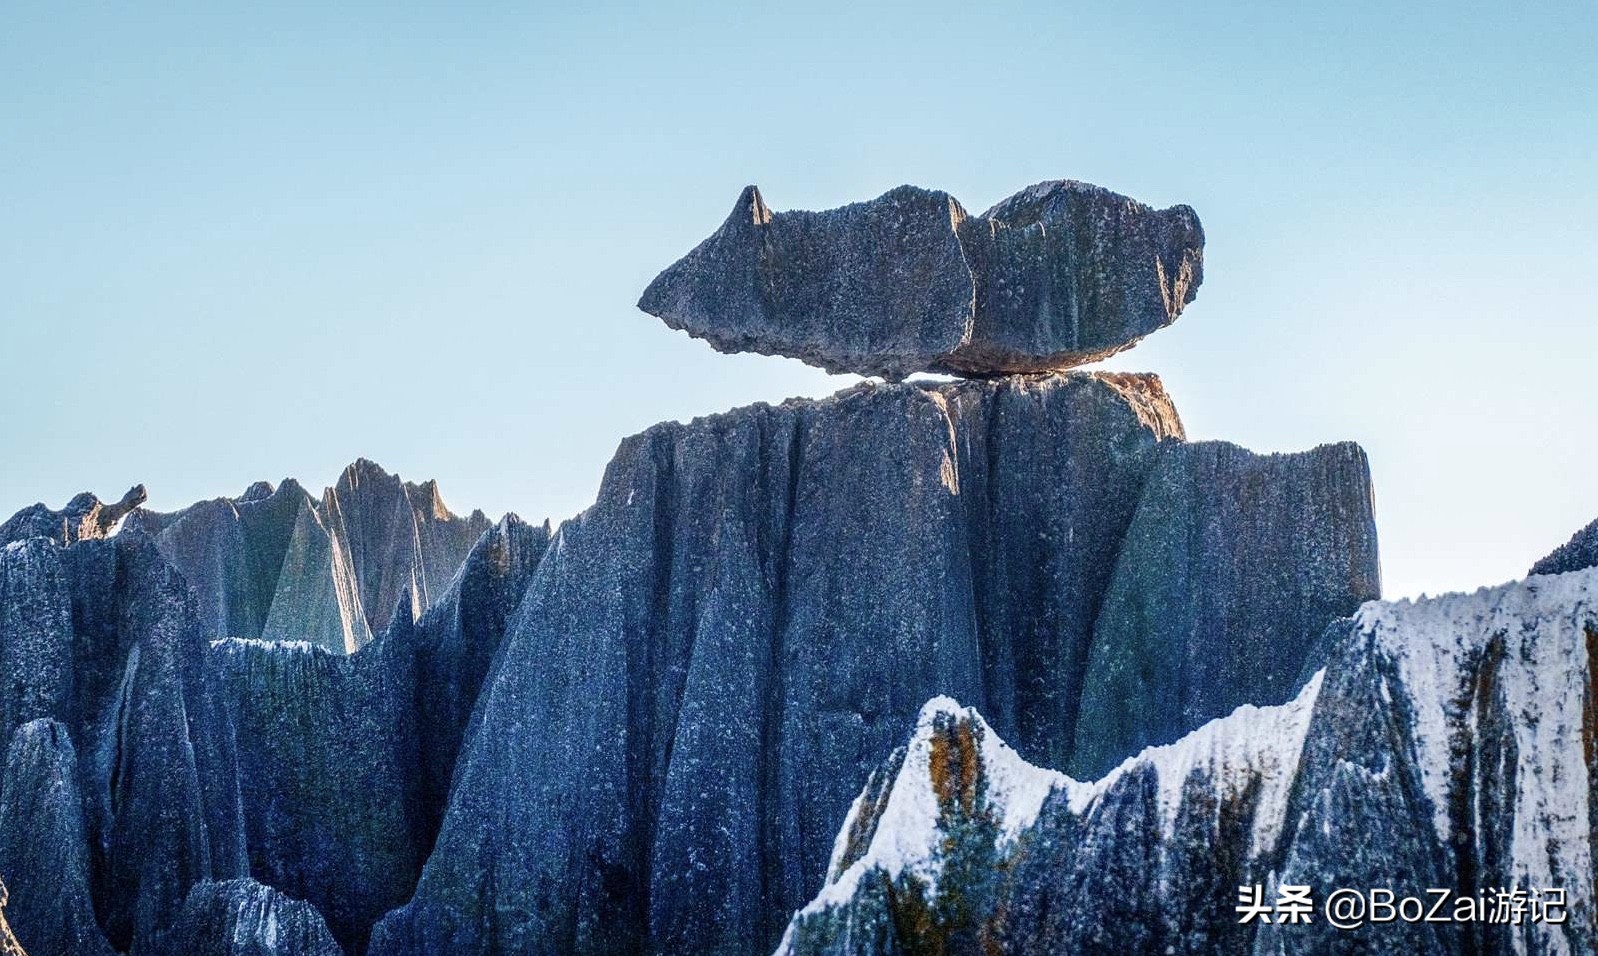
262,242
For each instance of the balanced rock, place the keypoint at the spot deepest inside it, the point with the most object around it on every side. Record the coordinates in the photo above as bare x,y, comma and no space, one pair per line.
1060,274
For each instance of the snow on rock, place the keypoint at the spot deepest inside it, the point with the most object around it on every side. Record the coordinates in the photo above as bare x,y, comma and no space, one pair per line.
1485,700
1526,648
1251,746
905,826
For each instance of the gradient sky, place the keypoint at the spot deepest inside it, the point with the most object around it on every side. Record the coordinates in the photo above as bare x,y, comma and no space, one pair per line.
262,242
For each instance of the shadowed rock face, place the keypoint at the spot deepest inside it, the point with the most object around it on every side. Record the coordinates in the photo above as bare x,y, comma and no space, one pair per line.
42,845
145,760
1061,274
344,762
281,565
708,658
1229,572
106,661
244,918
1446,744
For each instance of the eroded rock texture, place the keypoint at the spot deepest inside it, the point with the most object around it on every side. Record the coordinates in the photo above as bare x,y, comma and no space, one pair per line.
1060,274
282,565
243,918
43,848
709,658
105,660
84,518
146,759
1231,568
1446,744
344,762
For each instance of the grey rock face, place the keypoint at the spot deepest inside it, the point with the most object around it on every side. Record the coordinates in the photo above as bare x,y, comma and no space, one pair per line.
84,518
1581,551
243,918
344,762
1230,570
176,762
708,658
1057,275
42,845
109,664
1448,743
282,565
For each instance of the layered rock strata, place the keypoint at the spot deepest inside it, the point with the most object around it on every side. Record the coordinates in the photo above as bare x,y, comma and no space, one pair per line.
1060,274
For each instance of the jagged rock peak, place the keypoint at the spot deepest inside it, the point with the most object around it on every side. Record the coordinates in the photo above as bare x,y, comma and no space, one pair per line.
84,518
1581,551
279,564
1060,274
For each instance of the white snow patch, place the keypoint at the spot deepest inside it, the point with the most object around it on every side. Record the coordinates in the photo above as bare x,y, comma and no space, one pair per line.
907,834
1543,622
1262,743
303,647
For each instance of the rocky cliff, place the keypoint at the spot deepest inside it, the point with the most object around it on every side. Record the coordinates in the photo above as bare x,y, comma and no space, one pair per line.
1446,744
709,657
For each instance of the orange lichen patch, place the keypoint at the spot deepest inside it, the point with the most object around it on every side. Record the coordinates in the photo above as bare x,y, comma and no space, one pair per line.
955,767
1146,394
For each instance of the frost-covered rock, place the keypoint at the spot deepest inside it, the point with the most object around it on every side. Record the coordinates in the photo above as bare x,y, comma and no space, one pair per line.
1581,551
1060,274
1448,743
243,918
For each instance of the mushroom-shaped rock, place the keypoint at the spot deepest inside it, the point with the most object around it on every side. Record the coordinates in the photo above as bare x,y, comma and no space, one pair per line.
1059,274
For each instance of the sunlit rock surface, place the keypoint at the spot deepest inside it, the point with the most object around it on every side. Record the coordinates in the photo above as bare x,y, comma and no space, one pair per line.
1060,274
84,518
278,564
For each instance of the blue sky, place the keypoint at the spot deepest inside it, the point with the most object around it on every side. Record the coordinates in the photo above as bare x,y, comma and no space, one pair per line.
262,242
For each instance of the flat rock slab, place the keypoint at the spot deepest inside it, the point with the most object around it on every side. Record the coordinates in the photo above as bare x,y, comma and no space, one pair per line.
1060,274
